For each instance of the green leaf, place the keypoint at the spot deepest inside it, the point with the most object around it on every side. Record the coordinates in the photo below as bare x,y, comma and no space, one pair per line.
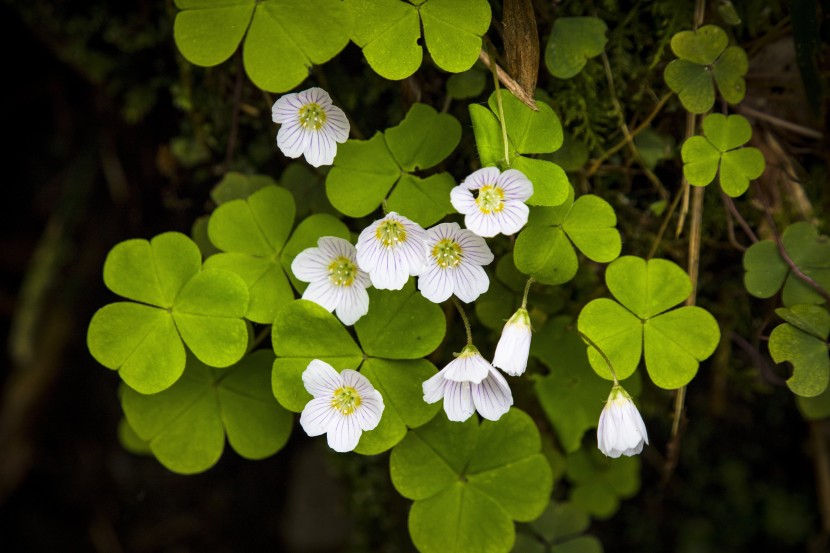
208,314
424,138
287,37
803,342
571,394
388,31
573,41
468,84
545,253
207,32
186,424
461,475
453,30
487,134
675,342
550,183
765,269
400,383
738,167
559,530
813,408
692,83
130,441
152,272
600,482
701,160
401,324
619,334
303,331
727,133
138,341
425,201
529,132
363,173
308,188
647,288
702,46
590,226
238,186
729,71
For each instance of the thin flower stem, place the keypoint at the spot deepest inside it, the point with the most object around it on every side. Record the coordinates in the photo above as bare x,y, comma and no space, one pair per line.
665,224
464,318
501,110
602,353
508,81
263,334
527,291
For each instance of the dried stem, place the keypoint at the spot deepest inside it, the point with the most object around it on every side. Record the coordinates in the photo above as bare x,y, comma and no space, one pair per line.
508,81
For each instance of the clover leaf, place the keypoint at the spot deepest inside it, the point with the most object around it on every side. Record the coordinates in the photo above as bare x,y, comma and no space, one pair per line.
720,149
573,41
766,271
641,325
703,60
571,394
238,186
365,171
253,236
469,482
560,529
600,482
544,248
399,330
177,302
528,132
186,424
283,38
389,32
802,341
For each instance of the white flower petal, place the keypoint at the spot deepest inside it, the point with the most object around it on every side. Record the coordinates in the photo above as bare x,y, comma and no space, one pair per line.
483,224
320,379
482,177
434,387
516,185
462,200
467,368
353,303
513,348
325,294
334,247
492,397
337,124
458,401
317,416
512,218
436,284
320,149
286,108
357,381
344,433
474,248
370,411
621,430
292,139
311,264
470,282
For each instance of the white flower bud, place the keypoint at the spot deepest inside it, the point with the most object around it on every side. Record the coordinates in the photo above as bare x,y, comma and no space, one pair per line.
621,429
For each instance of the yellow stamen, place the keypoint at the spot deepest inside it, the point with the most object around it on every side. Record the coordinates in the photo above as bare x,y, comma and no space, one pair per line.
391,233
312,116
342,271
447,253
490,199
346,400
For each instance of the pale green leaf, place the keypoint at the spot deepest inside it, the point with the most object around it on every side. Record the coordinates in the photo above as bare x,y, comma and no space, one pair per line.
426,201
487,134
765,269
268,287
550,183
453,30
738,167
207,32
808,355
727,133
700,160
363,173
546,254
647,287
729,71
617,332
702,46
590,226
693,84
468,84
812,319
238,186
530,132
573,41
388,31
257,226
424,138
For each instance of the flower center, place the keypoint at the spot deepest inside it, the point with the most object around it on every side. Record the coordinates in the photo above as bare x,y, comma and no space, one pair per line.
346,400
312,116
391,233
342,271
447,253
490,199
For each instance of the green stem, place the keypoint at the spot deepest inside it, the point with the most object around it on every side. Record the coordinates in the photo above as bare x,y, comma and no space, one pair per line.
527,291
501,108
464,318
602,353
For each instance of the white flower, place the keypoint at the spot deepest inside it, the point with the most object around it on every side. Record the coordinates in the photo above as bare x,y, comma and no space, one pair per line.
391,249
311,125
335,280
514,345
499,206
454,260
467,384
344,405
621,429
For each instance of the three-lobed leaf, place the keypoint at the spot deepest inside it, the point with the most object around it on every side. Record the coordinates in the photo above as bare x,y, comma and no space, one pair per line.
673,343
802,341
573,41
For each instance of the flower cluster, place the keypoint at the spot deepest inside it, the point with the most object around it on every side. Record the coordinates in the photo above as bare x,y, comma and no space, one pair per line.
448,261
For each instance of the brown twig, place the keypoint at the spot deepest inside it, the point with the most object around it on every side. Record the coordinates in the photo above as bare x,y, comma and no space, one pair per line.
730,206
508,81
